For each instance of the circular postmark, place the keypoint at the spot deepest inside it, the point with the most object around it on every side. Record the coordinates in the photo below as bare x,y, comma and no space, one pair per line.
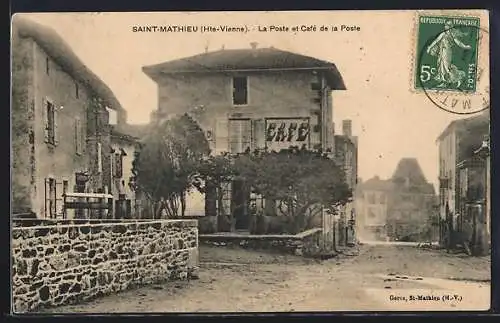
450,68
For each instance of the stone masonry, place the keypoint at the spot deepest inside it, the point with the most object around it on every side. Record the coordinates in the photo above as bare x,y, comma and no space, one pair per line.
72,263
305,244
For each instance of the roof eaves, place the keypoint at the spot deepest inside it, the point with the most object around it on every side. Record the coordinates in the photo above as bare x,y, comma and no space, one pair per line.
333,77
61,52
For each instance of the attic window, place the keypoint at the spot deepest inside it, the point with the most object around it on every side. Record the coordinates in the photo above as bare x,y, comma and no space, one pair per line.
113,117
77,94
47,65
240,90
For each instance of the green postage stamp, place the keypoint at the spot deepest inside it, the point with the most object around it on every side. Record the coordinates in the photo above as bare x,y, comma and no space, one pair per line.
447,53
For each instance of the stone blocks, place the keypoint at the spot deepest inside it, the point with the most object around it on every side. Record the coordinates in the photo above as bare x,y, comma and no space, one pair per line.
66,264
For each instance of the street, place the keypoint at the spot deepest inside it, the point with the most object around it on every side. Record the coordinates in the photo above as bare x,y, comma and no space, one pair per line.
372,277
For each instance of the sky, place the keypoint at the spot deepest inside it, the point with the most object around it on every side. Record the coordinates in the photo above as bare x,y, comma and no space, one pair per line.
391,120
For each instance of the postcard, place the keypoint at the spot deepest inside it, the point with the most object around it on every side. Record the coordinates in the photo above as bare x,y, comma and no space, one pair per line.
286,161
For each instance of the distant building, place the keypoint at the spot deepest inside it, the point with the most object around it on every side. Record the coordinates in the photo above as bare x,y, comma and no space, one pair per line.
251,98
63,117
456,144
400,208
411,203
372,205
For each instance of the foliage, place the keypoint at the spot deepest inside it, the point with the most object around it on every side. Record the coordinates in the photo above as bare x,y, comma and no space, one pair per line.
297,179
165,168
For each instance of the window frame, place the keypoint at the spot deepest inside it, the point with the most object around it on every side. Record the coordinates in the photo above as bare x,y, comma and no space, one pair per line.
247,78
78,137
250,134
51,116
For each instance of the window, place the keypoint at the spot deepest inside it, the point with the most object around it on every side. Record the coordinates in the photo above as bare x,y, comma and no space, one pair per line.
118,164
371,198
240,136
47,66
50,122
240,90
78,137
77,94
112,116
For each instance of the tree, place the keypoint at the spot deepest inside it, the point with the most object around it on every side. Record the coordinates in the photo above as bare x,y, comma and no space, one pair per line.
297,179
166,167
213,173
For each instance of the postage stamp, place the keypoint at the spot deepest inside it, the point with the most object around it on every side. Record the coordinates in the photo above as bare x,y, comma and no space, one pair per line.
448,69
447,48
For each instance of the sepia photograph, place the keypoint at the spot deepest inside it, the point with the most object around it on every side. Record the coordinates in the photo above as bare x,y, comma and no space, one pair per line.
250,162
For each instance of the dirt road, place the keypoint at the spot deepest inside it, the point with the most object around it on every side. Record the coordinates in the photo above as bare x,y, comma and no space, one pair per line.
373,277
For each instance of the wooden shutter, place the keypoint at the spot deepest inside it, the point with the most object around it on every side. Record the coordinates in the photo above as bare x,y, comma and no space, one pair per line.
118,164
56,132
59,207
221,135
78,136
99,157
45,117
258,134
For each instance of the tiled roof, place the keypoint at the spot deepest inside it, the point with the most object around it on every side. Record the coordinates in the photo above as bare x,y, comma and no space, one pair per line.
64,56
462,124
409,168
227,60
376,184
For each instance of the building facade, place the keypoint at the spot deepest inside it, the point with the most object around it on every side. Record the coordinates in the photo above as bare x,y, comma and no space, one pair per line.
60,122
252,98
411,204
372,204
400,208
456,144
346,156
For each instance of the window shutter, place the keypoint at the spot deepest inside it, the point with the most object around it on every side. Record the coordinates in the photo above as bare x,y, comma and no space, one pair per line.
56,132
99,157
258,134
221,135
120,165
45,117
78,136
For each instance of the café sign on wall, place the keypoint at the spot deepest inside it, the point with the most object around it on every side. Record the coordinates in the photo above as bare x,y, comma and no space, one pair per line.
281,133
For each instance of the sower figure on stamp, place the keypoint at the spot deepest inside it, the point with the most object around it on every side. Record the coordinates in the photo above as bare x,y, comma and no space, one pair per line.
442,47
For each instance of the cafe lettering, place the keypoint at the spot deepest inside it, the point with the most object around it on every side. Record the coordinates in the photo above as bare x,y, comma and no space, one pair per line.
287,131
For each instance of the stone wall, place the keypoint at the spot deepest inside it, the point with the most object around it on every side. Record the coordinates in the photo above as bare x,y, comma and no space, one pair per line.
55,265
306,243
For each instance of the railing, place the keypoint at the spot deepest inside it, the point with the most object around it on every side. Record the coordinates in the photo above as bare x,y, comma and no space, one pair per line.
83,202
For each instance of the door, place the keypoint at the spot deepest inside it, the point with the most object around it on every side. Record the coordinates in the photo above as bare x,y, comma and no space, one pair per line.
239,201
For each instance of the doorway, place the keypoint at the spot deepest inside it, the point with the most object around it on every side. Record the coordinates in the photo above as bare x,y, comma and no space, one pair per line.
239,205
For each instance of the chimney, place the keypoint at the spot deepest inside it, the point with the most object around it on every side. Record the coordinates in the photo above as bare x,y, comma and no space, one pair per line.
223,47
254,45
206,49
347,128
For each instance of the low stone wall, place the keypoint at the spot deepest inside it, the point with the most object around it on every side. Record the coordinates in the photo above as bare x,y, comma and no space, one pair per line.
306,243
63,264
